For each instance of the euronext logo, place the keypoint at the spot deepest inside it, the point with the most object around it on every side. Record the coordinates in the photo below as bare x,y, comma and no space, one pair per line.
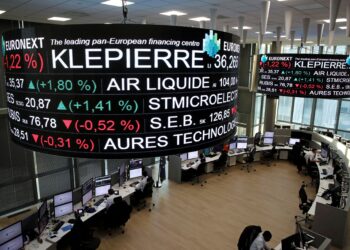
211,44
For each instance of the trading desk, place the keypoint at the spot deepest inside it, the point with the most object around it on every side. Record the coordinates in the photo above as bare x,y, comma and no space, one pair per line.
50,242
324,184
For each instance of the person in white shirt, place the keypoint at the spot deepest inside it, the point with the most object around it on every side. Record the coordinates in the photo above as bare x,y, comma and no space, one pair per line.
310,157
109,200
260,241
141,185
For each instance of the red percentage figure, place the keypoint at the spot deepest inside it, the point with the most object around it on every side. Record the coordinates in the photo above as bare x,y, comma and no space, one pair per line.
82,144
31,62
127,125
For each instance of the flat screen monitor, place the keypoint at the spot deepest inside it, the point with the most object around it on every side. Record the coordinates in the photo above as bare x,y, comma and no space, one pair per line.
268,140
63,198
43,221
10,232
102,190
14,244
242,142
134,173
324,150
122,174
301,135
269,134
64,209
291,242
292,141
103,180
206,151
233,145
87,186
86,197
193,155
183,157
42,210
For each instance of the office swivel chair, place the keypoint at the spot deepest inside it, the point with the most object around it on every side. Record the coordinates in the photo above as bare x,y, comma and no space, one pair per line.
249,159
221,164
141,199
81,237
269,156
247,237
199,171
304,205
117,215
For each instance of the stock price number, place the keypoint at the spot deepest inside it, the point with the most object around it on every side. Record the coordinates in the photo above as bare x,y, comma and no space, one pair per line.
43,122
40,103
225,62
19,133
220,115
16,83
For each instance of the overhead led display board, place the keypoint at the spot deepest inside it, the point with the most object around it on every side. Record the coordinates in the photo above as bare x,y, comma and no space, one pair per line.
114,91
303,75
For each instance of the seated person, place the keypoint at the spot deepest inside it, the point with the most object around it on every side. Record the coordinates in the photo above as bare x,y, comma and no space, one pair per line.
303,196
260,242
137,196
310,158
221,162
110,198
118,213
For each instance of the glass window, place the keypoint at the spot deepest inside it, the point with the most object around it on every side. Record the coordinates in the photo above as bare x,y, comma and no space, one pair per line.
344,135
344,116
302,110
284,108
326,111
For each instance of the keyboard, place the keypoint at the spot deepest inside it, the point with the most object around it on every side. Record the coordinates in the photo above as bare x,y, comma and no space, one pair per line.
134,183
99,202
57,226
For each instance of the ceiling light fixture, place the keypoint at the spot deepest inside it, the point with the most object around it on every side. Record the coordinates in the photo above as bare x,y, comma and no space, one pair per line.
117,3
244,27
309,42
107,23
173,13
2,11
342,27
339,20
266,33
200,19
59,19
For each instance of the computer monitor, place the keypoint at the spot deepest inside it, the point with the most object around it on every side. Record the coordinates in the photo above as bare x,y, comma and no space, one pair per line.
86,197
10,232
103,180
292,141
242,142
291,242
324,150
14,244
269,134
63,198
233,145
268,140
206,151
122,174
102,190
42,209
193,155
301,135
64,209
135,168
183,157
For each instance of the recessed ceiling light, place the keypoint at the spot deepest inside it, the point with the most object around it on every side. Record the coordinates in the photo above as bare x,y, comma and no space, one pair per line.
173,13
266,33
2,11
59,19
117,3
309,42
297,39
244,27
107,23
342,27
339,20
282,36
200,19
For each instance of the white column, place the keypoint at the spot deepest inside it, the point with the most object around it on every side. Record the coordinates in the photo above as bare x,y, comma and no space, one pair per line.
225,28
348,20
288,18
278,40
202,24
244,38
144,20
306,25
240,26
320,28
213,14
333,13
265,10
292,37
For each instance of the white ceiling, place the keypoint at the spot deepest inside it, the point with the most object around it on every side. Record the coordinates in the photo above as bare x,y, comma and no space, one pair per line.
91,11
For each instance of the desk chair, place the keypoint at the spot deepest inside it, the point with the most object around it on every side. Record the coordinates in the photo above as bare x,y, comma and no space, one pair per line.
117,215
81,237
312,171
304,205
141,199
249,159
268,156
199,171
221,164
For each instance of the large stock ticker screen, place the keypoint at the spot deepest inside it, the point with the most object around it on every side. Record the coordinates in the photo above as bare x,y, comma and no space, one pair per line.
304,75
113,91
